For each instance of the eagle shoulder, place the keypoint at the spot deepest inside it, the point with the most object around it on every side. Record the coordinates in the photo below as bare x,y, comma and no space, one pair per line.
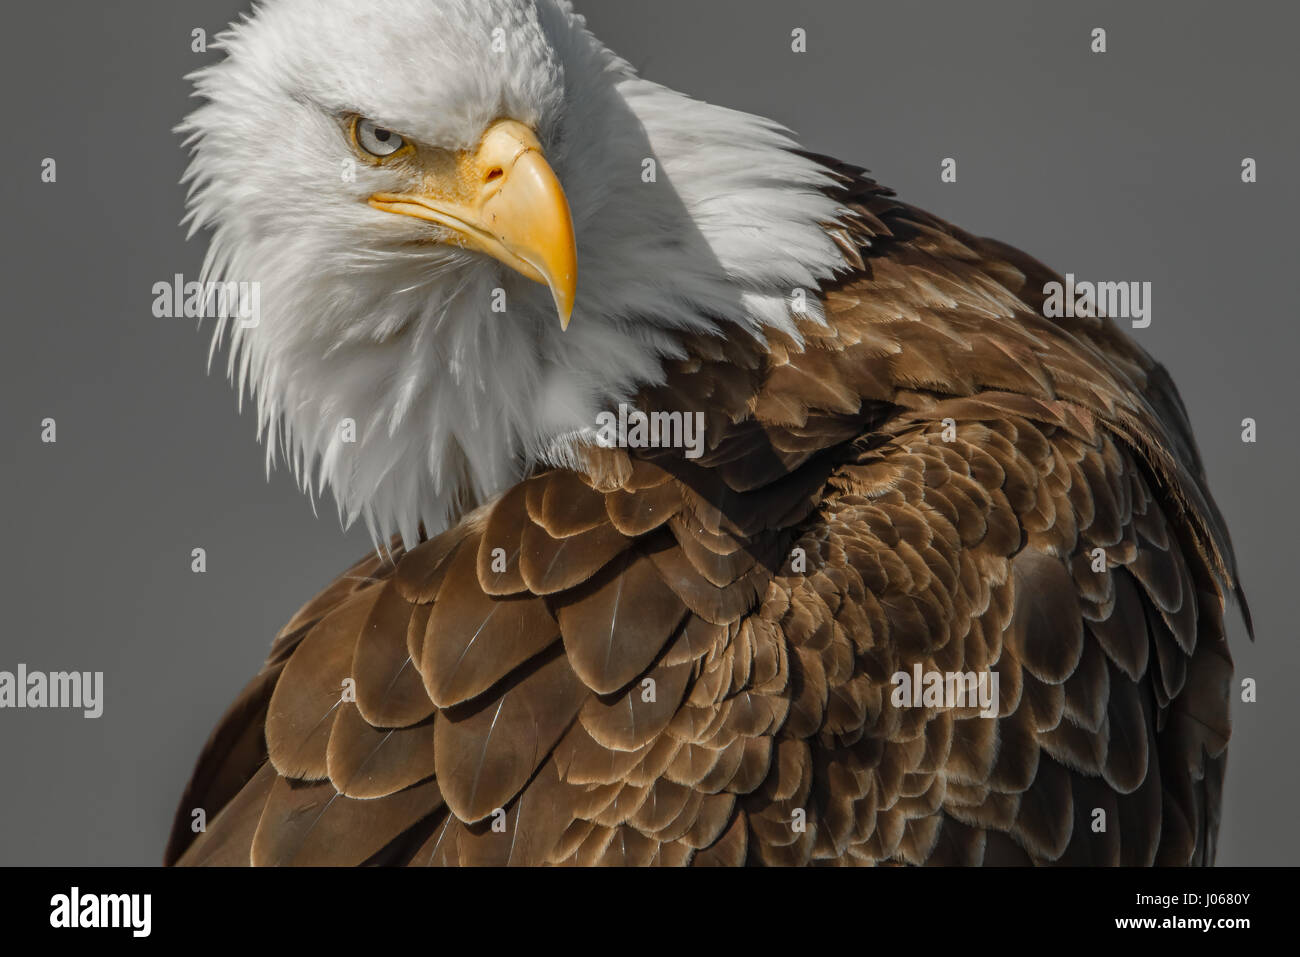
656,659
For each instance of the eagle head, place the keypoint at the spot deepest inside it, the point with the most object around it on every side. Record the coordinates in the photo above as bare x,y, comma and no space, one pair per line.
426,192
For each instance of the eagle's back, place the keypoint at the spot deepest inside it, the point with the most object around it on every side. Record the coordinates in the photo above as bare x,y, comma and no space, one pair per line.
675,660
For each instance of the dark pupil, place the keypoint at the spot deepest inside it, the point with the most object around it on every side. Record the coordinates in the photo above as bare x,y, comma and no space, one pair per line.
382,135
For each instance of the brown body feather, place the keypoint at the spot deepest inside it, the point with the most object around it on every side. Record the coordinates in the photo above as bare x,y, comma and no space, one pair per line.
663,661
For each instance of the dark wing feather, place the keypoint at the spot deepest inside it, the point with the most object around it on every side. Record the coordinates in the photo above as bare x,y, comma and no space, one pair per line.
654,660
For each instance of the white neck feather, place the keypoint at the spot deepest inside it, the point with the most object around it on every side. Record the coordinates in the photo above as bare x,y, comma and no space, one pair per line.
453,402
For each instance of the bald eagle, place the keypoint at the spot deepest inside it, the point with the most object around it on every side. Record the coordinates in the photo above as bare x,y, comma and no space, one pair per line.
727,508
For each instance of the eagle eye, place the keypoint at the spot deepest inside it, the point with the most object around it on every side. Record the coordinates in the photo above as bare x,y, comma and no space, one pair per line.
375,140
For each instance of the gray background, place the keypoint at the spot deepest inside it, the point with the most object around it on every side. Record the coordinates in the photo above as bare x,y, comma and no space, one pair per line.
1122,166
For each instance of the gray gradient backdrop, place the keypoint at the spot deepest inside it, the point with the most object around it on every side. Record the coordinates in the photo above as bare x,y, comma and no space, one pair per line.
1123,166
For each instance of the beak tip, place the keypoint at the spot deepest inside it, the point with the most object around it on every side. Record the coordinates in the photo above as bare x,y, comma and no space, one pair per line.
565,294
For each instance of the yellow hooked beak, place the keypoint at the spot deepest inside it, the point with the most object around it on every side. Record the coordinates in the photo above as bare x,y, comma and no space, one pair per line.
502,199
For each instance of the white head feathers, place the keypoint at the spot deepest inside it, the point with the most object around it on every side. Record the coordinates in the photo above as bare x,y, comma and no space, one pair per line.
364,320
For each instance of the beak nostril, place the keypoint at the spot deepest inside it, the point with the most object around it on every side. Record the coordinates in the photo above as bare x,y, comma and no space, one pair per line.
495,173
